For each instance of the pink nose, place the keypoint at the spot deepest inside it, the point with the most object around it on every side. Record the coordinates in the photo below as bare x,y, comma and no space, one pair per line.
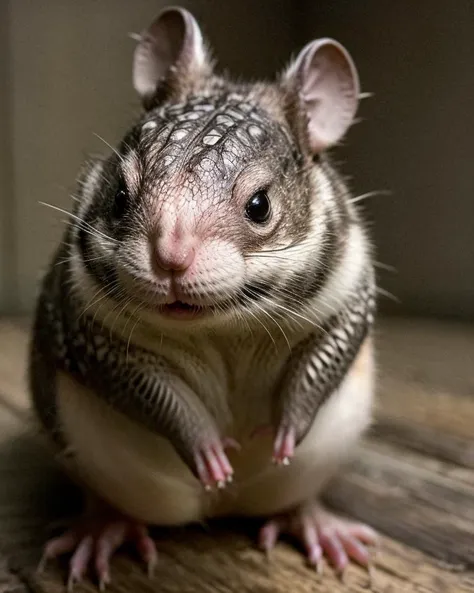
177,255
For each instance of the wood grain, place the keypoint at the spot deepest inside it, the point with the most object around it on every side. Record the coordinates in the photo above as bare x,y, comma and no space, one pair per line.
425,439
409,502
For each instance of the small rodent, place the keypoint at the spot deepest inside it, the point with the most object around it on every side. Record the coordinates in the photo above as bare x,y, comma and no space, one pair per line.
207,316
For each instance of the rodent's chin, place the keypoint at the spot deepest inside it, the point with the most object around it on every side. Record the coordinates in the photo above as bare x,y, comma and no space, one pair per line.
183,311
182,314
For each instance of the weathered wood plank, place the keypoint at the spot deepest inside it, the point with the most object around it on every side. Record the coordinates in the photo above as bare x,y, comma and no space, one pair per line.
226,563
410,503
415,458
426,374
437,354
426,440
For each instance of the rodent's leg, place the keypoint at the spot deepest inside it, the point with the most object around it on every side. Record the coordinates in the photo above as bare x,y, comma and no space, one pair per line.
323,533
142,386
164,404
317,368
95,538
148,393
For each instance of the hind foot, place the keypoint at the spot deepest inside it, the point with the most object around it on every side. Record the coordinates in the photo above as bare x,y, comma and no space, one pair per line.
323,534
94,541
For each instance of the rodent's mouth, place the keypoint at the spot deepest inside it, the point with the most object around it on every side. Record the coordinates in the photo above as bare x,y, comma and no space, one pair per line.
180,310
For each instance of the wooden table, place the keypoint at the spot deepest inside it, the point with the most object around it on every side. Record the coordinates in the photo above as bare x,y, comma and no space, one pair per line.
412,479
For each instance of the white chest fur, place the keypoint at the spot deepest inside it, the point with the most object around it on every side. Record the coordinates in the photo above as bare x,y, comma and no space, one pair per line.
140,473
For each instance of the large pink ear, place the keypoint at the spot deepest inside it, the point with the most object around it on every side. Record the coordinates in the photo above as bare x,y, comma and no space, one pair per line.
325,80
171,55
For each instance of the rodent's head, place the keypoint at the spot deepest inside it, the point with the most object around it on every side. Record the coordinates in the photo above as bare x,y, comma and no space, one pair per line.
217,204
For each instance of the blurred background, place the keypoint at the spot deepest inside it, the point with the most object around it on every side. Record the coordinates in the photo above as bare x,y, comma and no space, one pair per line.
65,74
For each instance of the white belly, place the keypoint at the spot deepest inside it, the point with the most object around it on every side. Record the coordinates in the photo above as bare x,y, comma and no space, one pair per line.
140,474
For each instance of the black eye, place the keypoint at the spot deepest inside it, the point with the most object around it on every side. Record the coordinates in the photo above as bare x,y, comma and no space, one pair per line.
120,201
258,208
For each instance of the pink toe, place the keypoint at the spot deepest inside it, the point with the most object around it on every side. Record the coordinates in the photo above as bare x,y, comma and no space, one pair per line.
213,466
268,535
311,543
284,447
80,560
334,550
146,548
223,461
58,546
202,470
355,549
364,533
110,539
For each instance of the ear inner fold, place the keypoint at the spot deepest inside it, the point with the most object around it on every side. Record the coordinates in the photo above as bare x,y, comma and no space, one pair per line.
171,51
326,80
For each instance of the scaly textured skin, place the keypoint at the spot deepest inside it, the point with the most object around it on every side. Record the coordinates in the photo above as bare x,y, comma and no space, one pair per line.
318,365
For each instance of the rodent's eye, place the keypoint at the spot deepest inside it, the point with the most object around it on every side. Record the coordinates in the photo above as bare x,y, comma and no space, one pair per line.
258,208
120,201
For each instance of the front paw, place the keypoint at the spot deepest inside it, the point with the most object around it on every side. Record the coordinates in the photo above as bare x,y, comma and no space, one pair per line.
283,444
212,464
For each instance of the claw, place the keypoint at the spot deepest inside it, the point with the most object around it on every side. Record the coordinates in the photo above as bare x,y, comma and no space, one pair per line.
341,575
151,569
72,580
371,576
80,560
268,536
98,542
104,581
213,466
323,534
147,549
320,567
284,447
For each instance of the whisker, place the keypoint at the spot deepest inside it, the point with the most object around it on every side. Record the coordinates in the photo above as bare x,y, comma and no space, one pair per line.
94,302
275,322
286,291
295,315
118,296
111,293
78,219
370,194
262,324
122,160
387,294
119,314
387,267
137,321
